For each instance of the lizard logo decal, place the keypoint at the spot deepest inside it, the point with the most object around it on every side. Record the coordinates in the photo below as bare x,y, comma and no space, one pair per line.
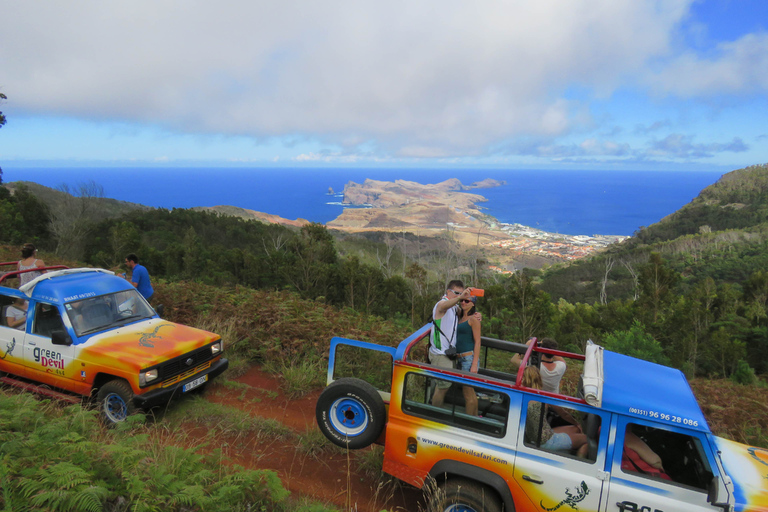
148,339
572,498
9,348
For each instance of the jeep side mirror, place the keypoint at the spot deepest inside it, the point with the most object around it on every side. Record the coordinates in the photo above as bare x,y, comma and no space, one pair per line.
160,309
712,492
60,337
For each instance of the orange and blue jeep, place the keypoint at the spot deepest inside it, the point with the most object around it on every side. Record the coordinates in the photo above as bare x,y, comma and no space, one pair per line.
486,462
91,333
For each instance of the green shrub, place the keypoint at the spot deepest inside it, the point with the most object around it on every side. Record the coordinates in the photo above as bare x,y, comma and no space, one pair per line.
636,343
744,374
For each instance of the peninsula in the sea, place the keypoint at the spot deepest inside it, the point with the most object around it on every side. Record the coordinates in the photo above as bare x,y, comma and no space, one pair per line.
447,208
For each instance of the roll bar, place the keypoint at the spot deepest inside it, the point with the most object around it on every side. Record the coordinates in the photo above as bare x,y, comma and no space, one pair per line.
16,273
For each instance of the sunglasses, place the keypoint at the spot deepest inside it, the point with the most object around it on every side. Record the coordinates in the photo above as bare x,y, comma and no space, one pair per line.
466,301
455,292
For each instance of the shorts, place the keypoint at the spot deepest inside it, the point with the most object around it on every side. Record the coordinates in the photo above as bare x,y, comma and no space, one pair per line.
441,361
464,362
559,441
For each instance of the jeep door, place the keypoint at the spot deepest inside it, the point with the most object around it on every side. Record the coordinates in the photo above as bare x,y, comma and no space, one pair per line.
45,362
679,483
11,339
556,479
430,437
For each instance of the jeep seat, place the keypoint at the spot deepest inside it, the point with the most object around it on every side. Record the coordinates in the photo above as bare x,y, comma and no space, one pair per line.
97,314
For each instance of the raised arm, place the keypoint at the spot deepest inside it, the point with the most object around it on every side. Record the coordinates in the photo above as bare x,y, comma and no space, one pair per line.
445,305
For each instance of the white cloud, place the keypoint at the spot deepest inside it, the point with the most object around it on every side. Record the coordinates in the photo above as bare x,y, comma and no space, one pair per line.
435,78
738,67
682,146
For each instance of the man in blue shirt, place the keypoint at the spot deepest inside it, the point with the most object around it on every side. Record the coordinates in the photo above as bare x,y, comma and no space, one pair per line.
139,277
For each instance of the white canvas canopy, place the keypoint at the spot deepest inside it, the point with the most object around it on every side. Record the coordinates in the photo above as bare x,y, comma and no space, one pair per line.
592,378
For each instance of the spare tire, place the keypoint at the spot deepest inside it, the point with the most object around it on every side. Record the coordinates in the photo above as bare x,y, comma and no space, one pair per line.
350,413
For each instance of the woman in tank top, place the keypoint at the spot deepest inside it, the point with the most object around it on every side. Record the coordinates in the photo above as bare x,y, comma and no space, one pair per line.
29,261
468,349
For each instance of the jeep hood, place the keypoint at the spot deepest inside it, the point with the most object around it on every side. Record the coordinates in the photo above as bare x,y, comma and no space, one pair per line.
144,344
748,468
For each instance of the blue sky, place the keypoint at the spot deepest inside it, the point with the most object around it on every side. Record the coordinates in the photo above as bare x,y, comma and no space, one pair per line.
596,84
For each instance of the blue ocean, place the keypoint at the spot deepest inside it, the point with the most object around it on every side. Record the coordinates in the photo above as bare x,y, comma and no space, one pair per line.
561,201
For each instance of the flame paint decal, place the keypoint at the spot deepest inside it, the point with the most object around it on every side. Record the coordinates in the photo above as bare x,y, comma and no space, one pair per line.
748,468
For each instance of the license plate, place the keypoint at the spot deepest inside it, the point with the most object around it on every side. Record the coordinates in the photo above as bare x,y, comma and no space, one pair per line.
195,383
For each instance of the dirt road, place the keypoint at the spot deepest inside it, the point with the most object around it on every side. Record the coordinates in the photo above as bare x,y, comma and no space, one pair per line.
332,478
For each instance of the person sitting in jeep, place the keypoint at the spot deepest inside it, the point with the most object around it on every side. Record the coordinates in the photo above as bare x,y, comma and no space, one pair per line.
537,429
16,314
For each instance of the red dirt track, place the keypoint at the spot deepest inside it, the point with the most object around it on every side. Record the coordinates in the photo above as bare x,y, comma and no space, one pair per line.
323,478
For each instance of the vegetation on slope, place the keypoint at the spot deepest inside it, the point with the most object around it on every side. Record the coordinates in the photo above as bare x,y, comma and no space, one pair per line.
61,460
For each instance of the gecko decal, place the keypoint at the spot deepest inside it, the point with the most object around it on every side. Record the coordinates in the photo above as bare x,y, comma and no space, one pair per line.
9,348
147,340
572,498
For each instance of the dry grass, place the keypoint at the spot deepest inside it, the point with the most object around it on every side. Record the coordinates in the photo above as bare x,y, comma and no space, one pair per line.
272,326
734,411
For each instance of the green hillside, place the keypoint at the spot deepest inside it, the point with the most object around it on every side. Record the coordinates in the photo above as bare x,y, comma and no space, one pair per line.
56,198
722,234
738,201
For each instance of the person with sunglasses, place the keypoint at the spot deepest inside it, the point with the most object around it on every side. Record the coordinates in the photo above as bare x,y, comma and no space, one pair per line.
443,336
468,348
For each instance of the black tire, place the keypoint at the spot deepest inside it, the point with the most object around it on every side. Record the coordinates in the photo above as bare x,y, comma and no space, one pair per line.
462,495
350,413
115,400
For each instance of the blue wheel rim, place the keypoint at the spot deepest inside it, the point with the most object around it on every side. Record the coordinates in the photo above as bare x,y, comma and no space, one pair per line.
115,408
459,508
349,417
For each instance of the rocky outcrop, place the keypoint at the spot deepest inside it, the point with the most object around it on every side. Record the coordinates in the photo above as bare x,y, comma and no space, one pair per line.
428,215
387,194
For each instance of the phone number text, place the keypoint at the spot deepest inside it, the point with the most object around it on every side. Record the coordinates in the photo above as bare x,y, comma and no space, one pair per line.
663,416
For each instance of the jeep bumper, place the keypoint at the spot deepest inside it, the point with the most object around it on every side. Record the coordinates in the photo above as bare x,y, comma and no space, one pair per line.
164,395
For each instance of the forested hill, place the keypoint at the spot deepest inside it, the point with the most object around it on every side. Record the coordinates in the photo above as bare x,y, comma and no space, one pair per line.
722,234
739,200
57,198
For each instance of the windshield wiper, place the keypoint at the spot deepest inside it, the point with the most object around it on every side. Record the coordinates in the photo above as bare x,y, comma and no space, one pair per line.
94,329
125,319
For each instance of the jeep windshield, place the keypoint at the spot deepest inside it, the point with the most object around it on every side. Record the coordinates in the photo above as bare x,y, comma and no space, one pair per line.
105,312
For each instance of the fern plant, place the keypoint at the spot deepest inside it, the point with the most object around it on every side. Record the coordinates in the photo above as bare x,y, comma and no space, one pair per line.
63,487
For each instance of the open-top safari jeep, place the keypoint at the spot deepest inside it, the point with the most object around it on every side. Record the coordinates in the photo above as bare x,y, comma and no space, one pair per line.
486,462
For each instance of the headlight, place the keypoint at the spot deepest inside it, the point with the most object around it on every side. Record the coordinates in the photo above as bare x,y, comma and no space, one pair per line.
147,377
216,348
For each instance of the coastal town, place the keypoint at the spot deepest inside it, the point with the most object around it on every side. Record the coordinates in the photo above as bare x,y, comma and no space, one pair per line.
528,240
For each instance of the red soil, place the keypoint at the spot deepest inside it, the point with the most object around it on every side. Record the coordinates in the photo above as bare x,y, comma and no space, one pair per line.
330,478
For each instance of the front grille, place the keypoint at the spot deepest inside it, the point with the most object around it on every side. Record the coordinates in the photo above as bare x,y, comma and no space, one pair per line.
182,376
182,364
